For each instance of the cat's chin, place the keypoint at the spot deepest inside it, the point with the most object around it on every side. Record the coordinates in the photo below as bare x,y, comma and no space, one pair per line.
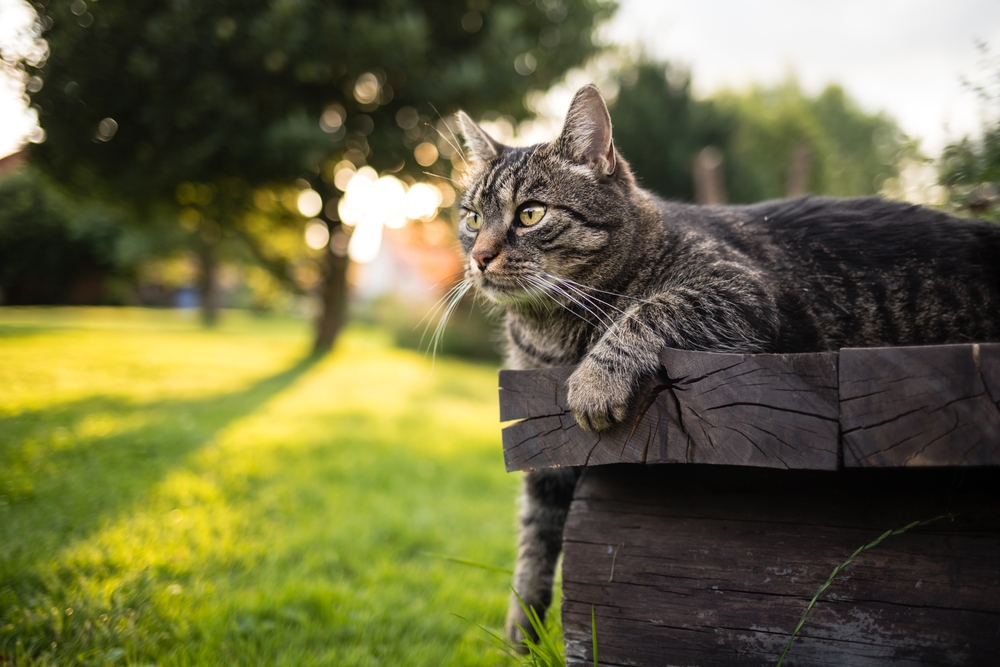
505,295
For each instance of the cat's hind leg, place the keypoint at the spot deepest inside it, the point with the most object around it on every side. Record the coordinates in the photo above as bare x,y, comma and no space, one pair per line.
544,505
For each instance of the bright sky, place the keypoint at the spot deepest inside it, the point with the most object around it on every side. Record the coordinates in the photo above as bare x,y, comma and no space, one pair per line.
904,57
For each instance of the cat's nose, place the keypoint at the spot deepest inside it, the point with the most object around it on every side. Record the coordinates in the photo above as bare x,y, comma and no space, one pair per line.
482,258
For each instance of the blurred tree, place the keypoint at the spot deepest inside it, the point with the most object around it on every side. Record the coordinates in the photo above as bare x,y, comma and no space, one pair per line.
196,105
51,250
774,141
969,169
787,143
659,126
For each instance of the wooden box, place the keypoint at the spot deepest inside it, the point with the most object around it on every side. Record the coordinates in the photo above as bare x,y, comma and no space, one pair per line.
703,526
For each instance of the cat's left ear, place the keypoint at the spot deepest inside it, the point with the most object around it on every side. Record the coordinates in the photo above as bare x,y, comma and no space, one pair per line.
482,147
586,135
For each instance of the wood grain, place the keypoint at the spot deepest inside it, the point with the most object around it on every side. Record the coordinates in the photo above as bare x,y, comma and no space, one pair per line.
714,565
877,407
767,410
921,406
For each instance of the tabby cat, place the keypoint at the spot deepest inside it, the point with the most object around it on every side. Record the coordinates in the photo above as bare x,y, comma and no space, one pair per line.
591,269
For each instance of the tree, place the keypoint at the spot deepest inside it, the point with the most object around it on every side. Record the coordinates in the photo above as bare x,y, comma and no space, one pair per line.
659,126
198,105
774,141
836,147
969,169
52,250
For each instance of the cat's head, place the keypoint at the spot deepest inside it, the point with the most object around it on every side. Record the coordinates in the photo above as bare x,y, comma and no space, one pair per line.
532,217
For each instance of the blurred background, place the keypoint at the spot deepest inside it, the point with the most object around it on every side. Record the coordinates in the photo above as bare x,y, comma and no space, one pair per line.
199,201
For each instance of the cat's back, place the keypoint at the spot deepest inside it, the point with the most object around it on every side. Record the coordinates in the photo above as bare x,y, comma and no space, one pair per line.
868,271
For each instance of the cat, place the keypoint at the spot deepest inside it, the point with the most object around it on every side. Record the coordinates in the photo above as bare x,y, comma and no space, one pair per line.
592,270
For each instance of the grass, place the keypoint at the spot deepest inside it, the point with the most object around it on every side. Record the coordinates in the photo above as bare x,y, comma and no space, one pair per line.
176,496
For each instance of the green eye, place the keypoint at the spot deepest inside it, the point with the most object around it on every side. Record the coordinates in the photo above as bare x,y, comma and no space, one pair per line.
531,214
473,220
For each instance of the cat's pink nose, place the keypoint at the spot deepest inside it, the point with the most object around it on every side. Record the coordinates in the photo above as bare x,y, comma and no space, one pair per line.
482,258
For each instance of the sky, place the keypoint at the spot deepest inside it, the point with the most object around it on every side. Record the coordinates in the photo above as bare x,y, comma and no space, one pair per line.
904,57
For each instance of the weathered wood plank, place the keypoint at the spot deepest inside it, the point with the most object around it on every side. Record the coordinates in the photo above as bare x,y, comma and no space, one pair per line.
712,565
920,406
548,435
733,409
768,410
883,407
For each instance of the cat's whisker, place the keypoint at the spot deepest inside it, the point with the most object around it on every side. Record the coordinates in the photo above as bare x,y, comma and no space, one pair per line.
438,305
594,300
552,290
454,145
450,180
448,302
608,326
453,302
595,289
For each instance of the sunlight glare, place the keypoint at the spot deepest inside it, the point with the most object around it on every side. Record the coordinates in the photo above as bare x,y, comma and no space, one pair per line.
371,202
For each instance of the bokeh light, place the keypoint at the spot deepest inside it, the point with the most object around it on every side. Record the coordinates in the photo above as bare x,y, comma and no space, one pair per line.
332,118
310,203
343,172
366,88
426,154
317,234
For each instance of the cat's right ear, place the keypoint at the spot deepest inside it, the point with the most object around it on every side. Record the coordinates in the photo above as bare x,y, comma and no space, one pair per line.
481,146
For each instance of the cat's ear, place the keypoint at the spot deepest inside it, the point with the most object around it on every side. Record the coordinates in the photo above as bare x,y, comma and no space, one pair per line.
481,146
586,135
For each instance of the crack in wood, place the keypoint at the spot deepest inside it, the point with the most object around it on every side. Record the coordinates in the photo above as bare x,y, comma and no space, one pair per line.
859,407
769,407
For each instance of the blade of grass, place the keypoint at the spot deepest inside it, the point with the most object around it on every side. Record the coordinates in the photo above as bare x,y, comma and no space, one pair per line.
502,643
548,651
470,563
837,570
593,632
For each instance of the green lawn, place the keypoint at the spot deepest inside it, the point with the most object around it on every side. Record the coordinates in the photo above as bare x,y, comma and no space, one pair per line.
176,496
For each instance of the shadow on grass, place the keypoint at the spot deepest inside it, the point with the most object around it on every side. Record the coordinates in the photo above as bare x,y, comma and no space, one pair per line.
64,468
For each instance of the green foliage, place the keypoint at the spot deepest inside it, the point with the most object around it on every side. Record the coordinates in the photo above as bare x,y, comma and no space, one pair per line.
659,127
200,92
852,153
53,250
969,169
176,496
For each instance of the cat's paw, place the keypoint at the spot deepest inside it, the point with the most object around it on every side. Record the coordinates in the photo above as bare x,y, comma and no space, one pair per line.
519,628
598,399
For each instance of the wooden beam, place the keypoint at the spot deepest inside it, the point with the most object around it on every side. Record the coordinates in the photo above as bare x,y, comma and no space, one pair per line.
921,406
936,405
711,565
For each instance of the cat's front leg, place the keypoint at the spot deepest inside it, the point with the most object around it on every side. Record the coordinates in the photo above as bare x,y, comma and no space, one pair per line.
603,386
730,311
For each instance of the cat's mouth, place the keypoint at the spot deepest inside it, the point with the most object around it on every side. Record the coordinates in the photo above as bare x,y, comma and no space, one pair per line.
502,289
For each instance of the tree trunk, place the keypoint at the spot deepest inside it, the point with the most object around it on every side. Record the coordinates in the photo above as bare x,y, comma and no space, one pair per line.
208,288
333,298
800,170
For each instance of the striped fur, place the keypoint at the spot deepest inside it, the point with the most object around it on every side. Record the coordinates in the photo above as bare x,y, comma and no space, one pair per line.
611,274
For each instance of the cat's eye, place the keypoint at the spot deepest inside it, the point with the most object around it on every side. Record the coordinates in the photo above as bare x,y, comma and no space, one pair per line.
473,220
531,214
